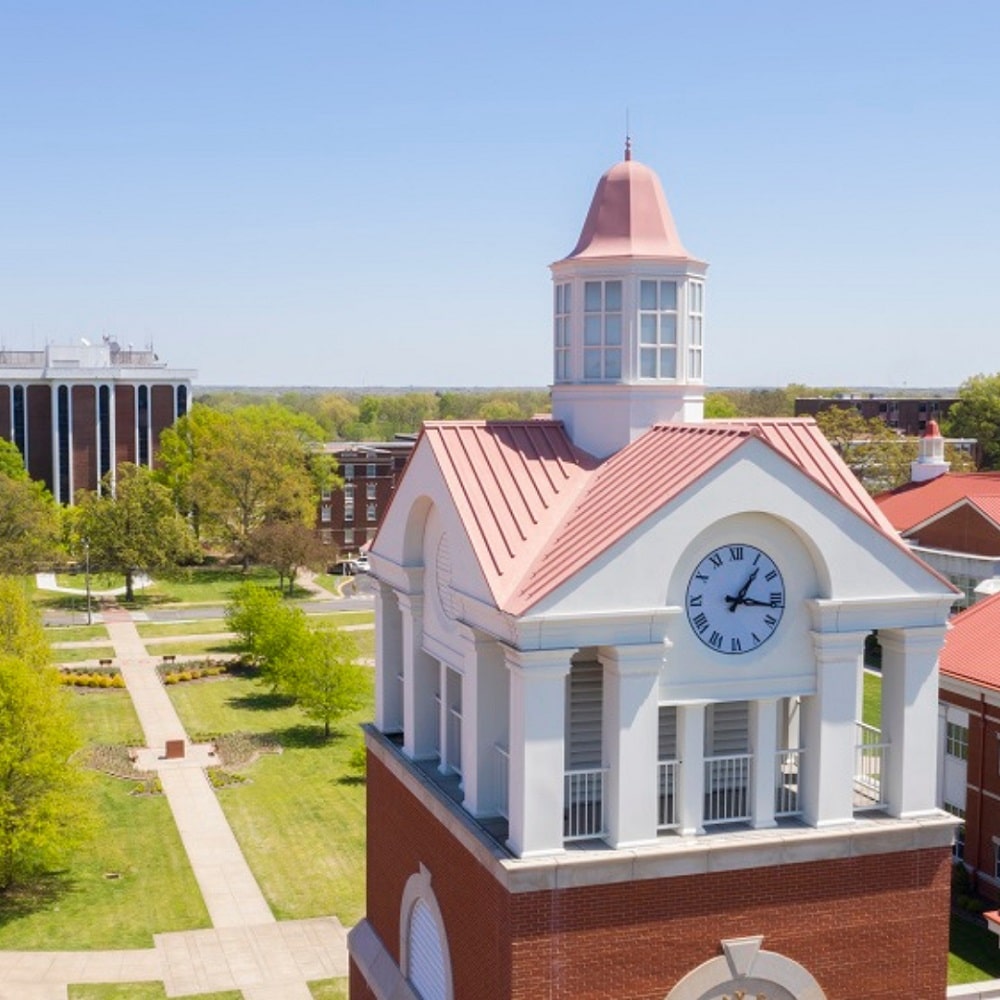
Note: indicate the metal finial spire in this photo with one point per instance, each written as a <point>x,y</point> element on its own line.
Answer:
<point>628,138</point>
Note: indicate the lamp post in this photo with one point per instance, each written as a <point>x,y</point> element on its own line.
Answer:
<point>86,570</point>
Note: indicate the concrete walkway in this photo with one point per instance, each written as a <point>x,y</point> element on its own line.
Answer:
<point>246,949</point>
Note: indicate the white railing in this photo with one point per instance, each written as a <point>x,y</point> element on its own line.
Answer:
<point>727,789</point>
<point>501,779</point>
<point>869,766</point>
<point>584,804</point>
<point>787,783</point>
<point>667,775</point>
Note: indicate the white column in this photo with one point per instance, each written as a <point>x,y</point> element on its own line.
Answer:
<point>420,717</point>
<point>691,753</point>
<point>485,708</point>
<point>631,722</point>
<point>910,717</point>
<point>388,660</point>
<point>54,433</point>
<point>764,742</point>
<point>113,434</point>
<point>537,749</point>
<point>829,725</point>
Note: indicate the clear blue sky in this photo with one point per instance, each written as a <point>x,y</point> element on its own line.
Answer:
<point>369,193</point>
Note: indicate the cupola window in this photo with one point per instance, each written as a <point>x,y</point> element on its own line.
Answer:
<point>561,331</point>
<point>602,330</point>
<point>696,293</point>
<point>658,329</point>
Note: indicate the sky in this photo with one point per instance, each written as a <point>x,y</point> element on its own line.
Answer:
<point>350,193</point>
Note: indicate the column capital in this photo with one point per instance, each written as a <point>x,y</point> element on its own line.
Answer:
<point>634,660</point>
<point>831,647</point>
<point>412,603</point>
<point>916,639</point>
<point>538,663</point>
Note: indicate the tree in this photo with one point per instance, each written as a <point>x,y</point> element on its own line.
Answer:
<point>29,524</point>
<point>977,415</point>
<point>270,630</point>
<point>134,529</point>
<point>324,678</point>
<point>42,816</point>
<point>242,468</point>
<point>285,546</point>
<point>719,406</point>
<point>878,456</point>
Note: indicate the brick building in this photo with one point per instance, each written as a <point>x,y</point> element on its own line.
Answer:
<point>76,412</point>
<point>348,517</point>
<point>907,414</point>
<point>616,750</point>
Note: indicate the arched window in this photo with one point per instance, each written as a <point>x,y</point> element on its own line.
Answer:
<point>424,945</point>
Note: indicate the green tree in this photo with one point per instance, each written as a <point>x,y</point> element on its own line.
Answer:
<point>242,468</point>
<point>286,546</point>
<point>42,815</point>
<point>977,415</point>
<point>270,631</point>
<point>29,524</point>
<point>719,406</point>
<point>324,679</point>
<point>878,456</point>
<point>11,460</point>
<point>134,529</point>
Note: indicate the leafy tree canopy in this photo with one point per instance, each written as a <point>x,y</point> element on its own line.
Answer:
<point>977,415</point>
<point>29,524</point>
<point>878,456</point>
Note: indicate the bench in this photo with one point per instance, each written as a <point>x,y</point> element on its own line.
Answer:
<point>169,658</point>
<point>104,663</point>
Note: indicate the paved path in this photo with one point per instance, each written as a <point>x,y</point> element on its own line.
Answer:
<point>246,949</point>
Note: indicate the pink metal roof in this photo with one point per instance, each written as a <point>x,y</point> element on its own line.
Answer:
<point>634,483</point>
<point>916,503</point>
<point>511,482</point>
<point>972,645</point>
<point>629,217</point>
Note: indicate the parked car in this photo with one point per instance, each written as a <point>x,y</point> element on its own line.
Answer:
<point>350,567</point>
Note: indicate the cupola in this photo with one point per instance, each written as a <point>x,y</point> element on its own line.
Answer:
<point>930,461</point>
<point>628,324</point>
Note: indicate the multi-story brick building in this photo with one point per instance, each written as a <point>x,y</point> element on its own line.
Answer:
<point>617,750</point>
<point>907,414</point>
<point>348,517</point>
<point>76,412</point>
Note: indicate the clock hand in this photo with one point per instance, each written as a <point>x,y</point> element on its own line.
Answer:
<point>750,602</point>
<point>740,597</point>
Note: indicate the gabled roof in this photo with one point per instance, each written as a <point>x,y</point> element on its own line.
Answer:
<point>537,510</point>
<point>971,650</point>
<point>661,464</point>
<point>916,503</point>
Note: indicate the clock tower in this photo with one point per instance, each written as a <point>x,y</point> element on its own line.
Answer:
<point>625,745</point>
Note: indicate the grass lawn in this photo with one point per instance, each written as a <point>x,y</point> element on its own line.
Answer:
<point>192,647</point>
<point>974,955</point>
<point>329,989</point>
<point>83,653</point>
<point>871,700</point>
<point>207,585</point>
<point>206,626</point>
<point>75,633</point>
<point>301,818</point>
<point>98,581</point>
<point>327,619</point>
<point>105,715</point>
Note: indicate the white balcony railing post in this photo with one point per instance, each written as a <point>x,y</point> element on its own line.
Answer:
<point>667,812</point>
<point>788,783</point>
<point>501,764</point>
<point>584,814</point>
<point>869,768</point>
<point>727,789</point>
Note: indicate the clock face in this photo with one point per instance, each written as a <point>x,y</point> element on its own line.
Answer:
<point>735,599</point>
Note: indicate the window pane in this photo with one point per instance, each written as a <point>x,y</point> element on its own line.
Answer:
<point>694,364</point>
<point>592,329</point>
<point>668,329</point>
<point>668,363</point>
<point>592,364</point>
<point>567,297</point>
<point>696,291</point>
<point>613,364</point>
<point>647,294</point>
<point>647,363</point>
<point>613,329</point>
<point>668,294</point>
<point>613,296</point>
<point>695,331</point>
<point>592,296</point>
<point>647,329</point>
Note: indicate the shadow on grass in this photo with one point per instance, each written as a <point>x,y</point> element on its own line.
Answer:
<point>971,942</point>
<point>23,900</point>
<point>262,701</point>
<point>351,779</point>
<point>305,737</point>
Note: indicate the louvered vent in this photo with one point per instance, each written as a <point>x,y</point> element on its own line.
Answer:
<point>426,956</point>
<point>584,748</point>
<point>668,732</point>
<point>728,730</point>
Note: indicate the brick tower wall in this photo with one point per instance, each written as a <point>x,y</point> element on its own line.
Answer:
<point>867,928</point>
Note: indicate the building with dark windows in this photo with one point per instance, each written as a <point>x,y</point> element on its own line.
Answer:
<point>907,414</point>
<point>348,516</point>
<point>75,412</point>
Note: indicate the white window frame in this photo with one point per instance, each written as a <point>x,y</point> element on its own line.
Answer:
<point>418,890</point>
<point>326,513</point>
<point>371,491</point>
<point>562,337</point>
<point>372,512</point>
<point>696,330</point>
<point>658,329</point>
<point>956,741</point>
<point>603,330</point>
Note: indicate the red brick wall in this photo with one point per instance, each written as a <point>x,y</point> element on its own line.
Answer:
<point>964,530</point>
<point>162,410</point>
<point>869,928</point>
<point>39,420</point>
<point>124,423</point>
<point>6,431</point>
<point>358,987</point>
<point>84,457</point>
